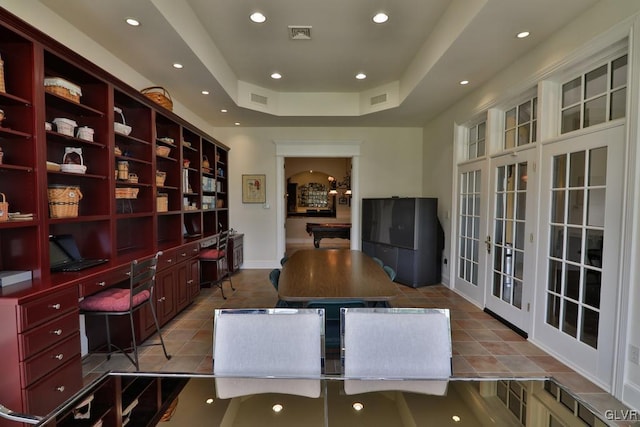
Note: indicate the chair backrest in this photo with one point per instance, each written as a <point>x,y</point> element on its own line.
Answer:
<point>409,343</point>
<point>274,277</point>
<point>332,309</point>
<point>378,261</point>
<point>390,272</point>
<point>142,275</point>
<point>268,342</point>
<point>221,245</point>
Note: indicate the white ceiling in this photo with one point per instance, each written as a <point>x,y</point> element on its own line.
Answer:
<point>416,60</point>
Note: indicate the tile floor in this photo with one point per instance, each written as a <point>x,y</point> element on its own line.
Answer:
<point>482,346</point>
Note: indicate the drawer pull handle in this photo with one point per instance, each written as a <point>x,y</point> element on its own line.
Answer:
<point>60,388</point>
<point>189,282</point>
<point>58,356</point>
<point>195,250</point>
<point>162,299</point>
<point>103,283</point>
<point>55,306</point>
<point>57,332</point>
<point>169,261</point>
<point>128,273</point>
<point>183,254</point>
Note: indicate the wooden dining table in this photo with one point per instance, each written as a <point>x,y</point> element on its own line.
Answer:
<point>312,274</point>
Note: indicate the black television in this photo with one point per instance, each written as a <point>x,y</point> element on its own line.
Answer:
<point>390,221</point>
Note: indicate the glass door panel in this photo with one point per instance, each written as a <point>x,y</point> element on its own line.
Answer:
<point>581,216</point>
<point>470,223</point>
<point>511,256</point>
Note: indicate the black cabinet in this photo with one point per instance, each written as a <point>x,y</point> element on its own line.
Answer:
<point>406,235</point>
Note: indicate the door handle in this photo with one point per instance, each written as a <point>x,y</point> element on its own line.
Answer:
<point>488,243</point>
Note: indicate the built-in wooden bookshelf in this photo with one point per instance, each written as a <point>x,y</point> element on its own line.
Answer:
<point>144,190</point>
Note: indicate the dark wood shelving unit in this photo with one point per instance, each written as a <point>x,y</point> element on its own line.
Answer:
<point>105,226</point>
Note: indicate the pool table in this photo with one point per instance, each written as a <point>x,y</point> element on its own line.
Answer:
<point>328,230</point>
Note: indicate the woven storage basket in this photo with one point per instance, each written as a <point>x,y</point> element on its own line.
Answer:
<point>159,95</point>
<point>160,178</point>
<point>63,88</point>
<point>4,209</point>
<point>2,86</point>
<point>64,201</point>
<point>127,193</point>
<point>162,204</point>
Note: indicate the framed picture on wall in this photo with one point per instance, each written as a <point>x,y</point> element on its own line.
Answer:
<point>253,189</point>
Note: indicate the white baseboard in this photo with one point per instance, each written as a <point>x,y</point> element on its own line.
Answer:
<point>631,395</point>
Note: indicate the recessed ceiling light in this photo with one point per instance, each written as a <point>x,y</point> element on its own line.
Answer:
<point>523,34</point>
<point>177,65</point>
<point>237,123</point>
<point>358,406</point>
<point>276,76</point>
<point>224,110</point>
<point>361,76</point>
<point>258,17</point>
<point>133,22</point>
<point>205,92</point>
<point>380,18</point>
<point>277,407</point>
<point>456,418</point>
<point>464,82</point>
<point>209,401</point>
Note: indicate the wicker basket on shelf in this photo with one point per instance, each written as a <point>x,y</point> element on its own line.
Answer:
<point>160,178</point>
<point>63,88</point>
<point>64,201</point>
<point>162,150</point>
<point>162,204</point>
<point>127,193</point>
<point>159,95</point>
<point>2,86</point>
<point>4,208</point>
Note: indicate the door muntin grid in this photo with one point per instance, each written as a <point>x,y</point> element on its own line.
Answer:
<point>509,233</point>
<point>574,285</point>
<point>468,226</point>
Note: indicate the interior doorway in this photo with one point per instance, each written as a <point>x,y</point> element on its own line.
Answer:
<point>316,149</point>
<point>318,191</point>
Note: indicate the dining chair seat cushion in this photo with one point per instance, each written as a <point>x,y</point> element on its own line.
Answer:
<point>114,299</point>
<point>211,254</point>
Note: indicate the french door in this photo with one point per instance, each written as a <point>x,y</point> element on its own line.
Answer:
<point>511,244</point>
<point>581,215</point>
<point>471,226</point>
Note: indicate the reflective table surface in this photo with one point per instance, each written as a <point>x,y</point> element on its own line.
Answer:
<point>133,399</point>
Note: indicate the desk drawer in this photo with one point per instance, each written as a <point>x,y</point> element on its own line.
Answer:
<point>49,334</point>
<point>50,359</point>
<point>187,251</point>
<point>54,389</point>
<point>167,259</point>
<point>102,282</point>
<point>47,308</point>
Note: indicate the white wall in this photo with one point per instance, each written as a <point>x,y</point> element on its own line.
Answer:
<point>384,152</point>
<point>606,21</point>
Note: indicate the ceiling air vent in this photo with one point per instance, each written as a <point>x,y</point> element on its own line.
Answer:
<point>259,99</point>
<point>378,99</point>
<point>300,32</point>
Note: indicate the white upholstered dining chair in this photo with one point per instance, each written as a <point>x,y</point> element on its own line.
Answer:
<point>252,347</point>
<point>396,343</point>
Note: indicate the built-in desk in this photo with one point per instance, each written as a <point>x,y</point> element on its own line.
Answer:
<point>41,338</point>
<point>181,400</point>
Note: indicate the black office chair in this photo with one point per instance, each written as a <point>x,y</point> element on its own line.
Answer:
<point>218,255</point>
<point>115,302</point>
